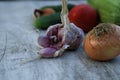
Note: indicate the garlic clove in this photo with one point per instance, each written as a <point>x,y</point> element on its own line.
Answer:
<point>47,52</point>
<point>44,41</point>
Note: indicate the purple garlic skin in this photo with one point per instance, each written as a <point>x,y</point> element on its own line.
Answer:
<point>54,41</point>
<point>51,39</point>
<point>47,52</point>
<point>54,37</point>
<point>54,29</point>
<point>73,38</point>
<point>60,37</point>
<point>44,41</point>
<point>48,41</point>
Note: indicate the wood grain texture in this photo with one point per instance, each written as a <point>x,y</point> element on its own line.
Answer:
<point>18,43</point>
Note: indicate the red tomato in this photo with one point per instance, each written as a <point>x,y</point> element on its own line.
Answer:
<point>84,16</point>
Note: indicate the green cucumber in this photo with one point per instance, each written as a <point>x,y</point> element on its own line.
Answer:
<point>44,22</point>
<point>57,8</point>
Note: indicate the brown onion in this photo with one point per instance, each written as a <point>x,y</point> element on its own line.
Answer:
<point>103,42</point>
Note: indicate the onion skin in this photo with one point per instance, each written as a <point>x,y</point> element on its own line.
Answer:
<point>44,12</point>
<point>48,11</point>
<point>103,49</point>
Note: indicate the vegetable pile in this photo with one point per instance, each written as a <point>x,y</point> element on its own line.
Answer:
<point>100,22</point>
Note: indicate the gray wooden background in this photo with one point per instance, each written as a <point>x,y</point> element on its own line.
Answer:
<point>18,39</point>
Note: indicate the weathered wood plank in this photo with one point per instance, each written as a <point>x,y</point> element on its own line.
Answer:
<point>19,36</point>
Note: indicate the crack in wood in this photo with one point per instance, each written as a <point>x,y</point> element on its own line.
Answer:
<point>4,48</point>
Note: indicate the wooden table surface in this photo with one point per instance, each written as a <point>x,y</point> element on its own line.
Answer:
<point>18,39</point>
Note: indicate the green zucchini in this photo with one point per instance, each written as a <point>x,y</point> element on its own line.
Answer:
<point>44,22</point>
<point>57,8</point>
